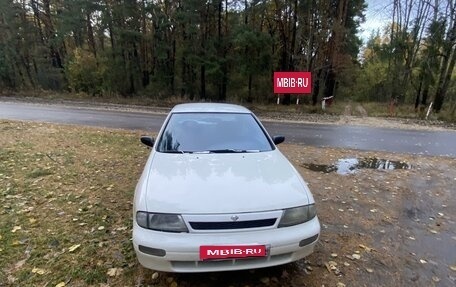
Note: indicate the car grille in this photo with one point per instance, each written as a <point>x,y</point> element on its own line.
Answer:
<point>221,225</point>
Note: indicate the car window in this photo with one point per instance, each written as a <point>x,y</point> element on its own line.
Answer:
<point>213,132</point>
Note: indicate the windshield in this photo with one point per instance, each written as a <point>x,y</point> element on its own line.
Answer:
<point>212,133</point>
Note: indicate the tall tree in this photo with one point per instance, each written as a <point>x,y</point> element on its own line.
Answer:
<point>448,59</point>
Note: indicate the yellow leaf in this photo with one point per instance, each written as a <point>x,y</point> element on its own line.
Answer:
<point>32,220</point>
<point>38,271</point>
<point>16,228</point>
<point>61,284</point>
<point>114,272</point>
<point>74,247</point>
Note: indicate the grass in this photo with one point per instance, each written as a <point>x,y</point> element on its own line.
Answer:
<point>60,187</point>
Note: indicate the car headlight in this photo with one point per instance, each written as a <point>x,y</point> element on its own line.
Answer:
<point>161,221</point>
<point>297,215</point>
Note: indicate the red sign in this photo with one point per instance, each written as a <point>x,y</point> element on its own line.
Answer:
<point>292,83</point>
<point>233,251</point>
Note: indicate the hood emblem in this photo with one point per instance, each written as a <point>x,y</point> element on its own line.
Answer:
<point>234,218</point>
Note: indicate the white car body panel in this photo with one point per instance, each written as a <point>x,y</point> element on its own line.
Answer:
<point>222,183</point>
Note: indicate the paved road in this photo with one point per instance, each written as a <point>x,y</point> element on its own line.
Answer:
<point>355,137</point>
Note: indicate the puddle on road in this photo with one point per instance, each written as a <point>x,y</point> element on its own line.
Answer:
<point>351,165</point>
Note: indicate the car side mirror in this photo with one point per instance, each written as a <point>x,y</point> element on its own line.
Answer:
<point>278,139</point>
<point>148,141</point>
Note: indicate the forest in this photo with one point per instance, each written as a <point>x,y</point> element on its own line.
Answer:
<point>227,50</point>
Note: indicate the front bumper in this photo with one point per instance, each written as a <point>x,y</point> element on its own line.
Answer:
<point>182,249</point>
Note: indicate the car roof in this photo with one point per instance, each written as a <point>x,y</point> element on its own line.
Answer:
<point>209,108</point>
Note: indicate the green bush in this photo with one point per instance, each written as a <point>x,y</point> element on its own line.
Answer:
<point>84,73</point>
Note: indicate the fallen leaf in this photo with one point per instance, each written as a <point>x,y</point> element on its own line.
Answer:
<point>74,247</point>
<point>16,243</point>
<point>334,255</point>
<point>16,228</point>
<point>422,261</point>
<point>453,267</point>
<point>38,271</point>
<point>114,271</point>
<point>356,256</point>
<point>11,279</point>
<point>370,270</point>
<point>101,228</point>
<point>435,279</point>
<point>155,276</point>
<point>32,220</point>
<point>61,284</point>
<point>340,284</point>
<point>368,249</point>
<point>19,264</point>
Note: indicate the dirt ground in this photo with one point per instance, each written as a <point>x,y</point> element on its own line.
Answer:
<point>379,227</point>
<point>66,195</point>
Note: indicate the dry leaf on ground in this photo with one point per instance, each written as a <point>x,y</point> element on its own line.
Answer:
<point>16,228</point>
<point>74,247</point>
<point>39,271</point>
<point>114,272</point>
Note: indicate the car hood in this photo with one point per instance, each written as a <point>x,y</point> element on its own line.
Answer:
<point>223,183</point>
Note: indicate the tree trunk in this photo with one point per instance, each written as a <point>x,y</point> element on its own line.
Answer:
<point>203,82</point>
<point>54,51</point>
<point>444,83</point>
<point>447,66</point>
<point>249,97</point>
<point>316,89</point>
<point>90,37</point>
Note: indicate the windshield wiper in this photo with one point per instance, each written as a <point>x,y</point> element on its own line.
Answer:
<point>227,150</point>
<point>232,150</point>
<point>172,151</point>
<point>176,151</point>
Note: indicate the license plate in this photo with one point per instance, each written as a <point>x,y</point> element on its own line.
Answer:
<point>214,252</point>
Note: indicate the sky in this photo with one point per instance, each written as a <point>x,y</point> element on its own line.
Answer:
<point>377,15</point>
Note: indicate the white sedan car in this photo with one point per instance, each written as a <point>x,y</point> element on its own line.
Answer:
<point>216,194</point>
